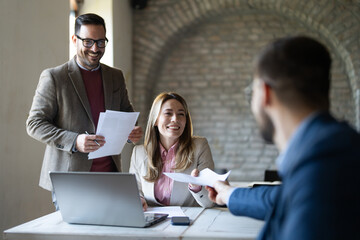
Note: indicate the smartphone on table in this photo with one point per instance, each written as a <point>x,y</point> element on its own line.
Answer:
<point>181,220</point>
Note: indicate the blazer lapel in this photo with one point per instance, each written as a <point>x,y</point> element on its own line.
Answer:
<point>150,193</point>
<point>108,85</point>
<point>178,197</point>
<point>76,79</point>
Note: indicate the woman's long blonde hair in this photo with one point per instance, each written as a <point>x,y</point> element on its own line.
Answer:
<point>185,152</point>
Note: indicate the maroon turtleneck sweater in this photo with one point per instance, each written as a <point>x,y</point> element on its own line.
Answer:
<point>95,93</point>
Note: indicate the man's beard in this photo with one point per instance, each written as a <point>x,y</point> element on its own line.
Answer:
<point>266,127</point>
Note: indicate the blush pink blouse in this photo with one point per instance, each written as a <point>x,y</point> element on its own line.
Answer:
<point>163,186</point>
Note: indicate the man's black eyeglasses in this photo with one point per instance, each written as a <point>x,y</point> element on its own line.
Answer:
<point>88,42</point>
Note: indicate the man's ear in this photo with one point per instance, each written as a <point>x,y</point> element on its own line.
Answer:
<point>268,94</point>
<point>74,39</point>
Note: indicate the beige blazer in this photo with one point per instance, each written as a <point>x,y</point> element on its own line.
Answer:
<point>180,195</point>
<point>61,110</point>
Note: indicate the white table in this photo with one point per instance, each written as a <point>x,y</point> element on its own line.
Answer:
<point>219,223</point>
<point>215,223</point>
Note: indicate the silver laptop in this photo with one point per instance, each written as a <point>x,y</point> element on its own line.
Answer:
<point>101,199</point>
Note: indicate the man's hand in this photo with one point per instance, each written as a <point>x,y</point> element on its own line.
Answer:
<point>219,192</point>
<point>135,134</point>
<point>86,143</point>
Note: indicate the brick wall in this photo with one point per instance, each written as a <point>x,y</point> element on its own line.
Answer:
<point>204,50</point>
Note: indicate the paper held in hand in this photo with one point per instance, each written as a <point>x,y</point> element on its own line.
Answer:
<point>206,177</point>
<point>115,126</point>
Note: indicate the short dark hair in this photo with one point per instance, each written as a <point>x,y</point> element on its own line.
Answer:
<point>298,69</point>
<point>88,19</point>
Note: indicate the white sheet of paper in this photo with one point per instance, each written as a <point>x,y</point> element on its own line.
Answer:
<point>172,211</point>
<point>115,126</point>
<point>206,177</point>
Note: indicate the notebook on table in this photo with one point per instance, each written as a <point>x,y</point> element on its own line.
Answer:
<point>101,199</point>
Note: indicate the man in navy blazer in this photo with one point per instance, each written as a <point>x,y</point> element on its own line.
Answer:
<point>319,161</point>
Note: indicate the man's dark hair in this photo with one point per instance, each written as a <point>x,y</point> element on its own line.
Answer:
<point>298,70</point>
<point>88,19</point>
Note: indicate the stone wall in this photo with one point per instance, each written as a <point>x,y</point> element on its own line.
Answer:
<point>203,49</point>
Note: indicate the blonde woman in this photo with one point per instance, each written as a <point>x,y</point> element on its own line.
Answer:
<point>169,146</point>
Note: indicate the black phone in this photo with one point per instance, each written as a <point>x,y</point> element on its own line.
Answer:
<point>180,221</point>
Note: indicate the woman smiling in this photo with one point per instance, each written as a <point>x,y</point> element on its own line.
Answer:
<point>169,146</point>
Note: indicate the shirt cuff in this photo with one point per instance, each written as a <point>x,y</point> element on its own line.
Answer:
<point>196,189</point>
<point>74,146</point>
<point>229,195</point>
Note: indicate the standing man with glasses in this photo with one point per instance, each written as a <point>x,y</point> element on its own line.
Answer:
<point>68,101</point>
<point>319,198</point>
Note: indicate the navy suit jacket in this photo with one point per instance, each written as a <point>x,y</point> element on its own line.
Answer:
<point>320,193</point>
